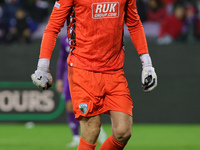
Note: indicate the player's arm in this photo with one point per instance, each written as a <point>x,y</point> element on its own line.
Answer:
<point>132,20</point>
<point>42,77</point>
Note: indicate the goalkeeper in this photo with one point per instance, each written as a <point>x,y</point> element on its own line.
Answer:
<point>96,77</point>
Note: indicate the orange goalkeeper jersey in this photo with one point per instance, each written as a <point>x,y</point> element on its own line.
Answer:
<point>95,32</point>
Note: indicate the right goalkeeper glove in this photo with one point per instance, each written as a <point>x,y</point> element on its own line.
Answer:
<point>42,77</point>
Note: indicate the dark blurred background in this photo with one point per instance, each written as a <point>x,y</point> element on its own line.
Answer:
<point>172,28</point>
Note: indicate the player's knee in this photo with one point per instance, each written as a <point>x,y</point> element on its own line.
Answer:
<point>122,134</point>
<point>90,132</point>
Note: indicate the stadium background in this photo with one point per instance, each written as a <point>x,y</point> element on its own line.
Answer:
<point>175,100</point>
<point>166,119</point>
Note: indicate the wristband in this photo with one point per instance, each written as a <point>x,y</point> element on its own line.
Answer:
<point>43,64</point>
<point>146,60</point>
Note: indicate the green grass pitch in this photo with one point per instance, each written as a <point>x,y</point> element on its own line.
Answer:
<point>55,137</point>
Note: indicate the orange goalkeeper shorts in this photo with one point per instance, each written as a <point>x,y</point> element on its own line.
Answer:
<point>95,93</point>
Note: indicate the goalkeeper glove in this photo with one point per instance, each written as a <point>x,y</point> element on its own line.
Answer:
<point>42,77</point>
<point>149,77</point>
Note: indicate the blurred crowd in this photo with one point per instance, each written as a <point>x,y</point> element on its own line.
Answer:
<point>163,20</point>
<point>170,20</point>
<point>20,18</point>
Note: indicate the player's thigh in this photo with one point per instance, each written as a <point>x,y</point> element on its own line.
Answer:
<point>121,123</point>
<point>90,122</point>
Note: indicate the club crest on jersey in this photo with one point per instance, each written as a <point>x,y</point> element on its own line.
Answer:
<point>105,10</point>
<point>83,107</point>
<point>57,5</point>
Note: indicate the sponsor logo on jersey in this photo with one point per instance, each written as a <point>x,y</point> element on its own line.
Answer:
<point>83,107</point>
<point>105,10</point>
<point>57,5</point>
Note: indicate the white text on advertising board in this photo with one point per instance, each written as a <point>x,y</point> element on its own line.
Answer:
<point>26,101</point>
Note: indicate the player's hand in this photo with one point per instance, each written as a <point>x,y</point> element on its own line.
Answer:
<point>59,86</point>
<point>149,79</point>
<point>42,77</point>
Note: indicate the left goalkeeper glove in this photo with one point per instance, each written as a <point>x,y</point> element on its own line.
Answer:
<point>149,77</point>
